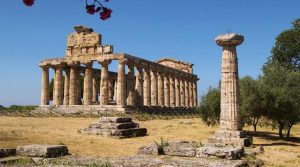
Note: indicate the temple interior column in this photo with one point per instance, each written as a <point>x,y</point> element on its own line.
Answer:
<point>154,100</point>
<point>121,92</point>
<point>79,88</point>
<point>166,90</point>
<point>45,86</point>
<point>173,97</point>
<point>73,84</point>
<point>182,93</point>
<point>139,86</point>
<point>58,86</point>
<point>104,98</point>
<point>130,85</point>
<point>111,89</point>
<point>88,81</point>
<point>115,90</point>
<point>160,89</point>
<point>187,93</point>
<point>147,86</point>
<point>67,86</point>
<point>95,90</point>
<point>178,92</point>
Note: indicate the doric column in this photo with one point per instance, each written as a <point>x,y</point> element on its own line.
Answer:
<point>182,93</point>
<point>121,92</point>
<point>139,86</point>
<point>187,93</point>
<point>177,92</point>
<point>230,113</point>
<point>58,86</point>
<point>88,84</point>
<point>111,89</point>
<point>67,86</point>
<point>166,90</point>
<point>173,97</point>
<point>160,89</point>
<point>147,85</point>
<point>95,89</point>
<point>104,98</point>
<point>45,86</point>
<point>130,85</point>
<point>79,87</point>
<point>195,93</point>
<point>191,93</point>
<point>154,99</point>
<point>115,90</point>
<point>73,83</point>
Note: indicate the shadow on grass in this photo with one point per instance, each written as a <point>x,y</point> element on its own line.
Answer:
<point>272,136</point>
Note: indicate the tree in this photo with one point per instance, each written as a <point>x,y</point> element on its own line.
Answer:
<point>210,107</point>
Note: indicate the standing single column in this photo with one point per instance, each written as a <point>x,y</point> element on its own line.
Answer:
<point>45,86</point>
<point>230,114</point>
<point>191,94</point>
<point>182,93</point>
<point>88,81</point>
<point>154,99</point>
<point>166,90</point>
<point>139,86</point>
<point>58,89</point>
<point>187,93</point>
<point>73,83</point>
<point>95,90</point>
<point>147,84</point>
<point>173,97</point>
<point>67,86</point>
<point>104,98</point>
<point>130,85</point>
<point>121,92</point>
<point>195,93</point>
<point>177,92</point>
<point>160,89</point>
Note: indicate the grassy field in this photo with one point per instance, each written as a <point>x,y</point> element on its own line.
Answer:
<point>16,131</point>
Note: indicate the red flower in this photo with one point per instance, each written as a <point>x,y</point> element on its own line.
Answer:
<point>90,9</point>
<point>28,2</point>
<point>105,14</point>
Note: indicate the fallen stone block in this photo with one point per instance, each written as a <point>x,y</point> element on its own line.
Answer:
<point>6,152</point>
<point>220,152</point>
<point>46,151</point>
<point>181,148</point>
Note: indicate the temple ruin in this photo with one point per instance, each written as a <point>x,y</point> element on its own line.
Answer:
<point>166,83</point>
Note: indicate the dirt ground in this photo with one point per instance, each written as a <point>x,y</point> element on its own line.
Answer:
<point>15,131</point>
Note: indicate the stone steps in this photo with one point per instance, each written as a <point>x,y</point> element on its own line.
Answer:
<point>117,127</point>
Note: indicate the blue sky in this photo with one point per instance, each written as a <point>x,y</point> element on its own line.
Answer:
<point>184,30</point>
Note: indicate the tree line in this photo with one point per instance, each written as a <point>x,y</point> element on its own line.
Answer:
<point>274,95</point>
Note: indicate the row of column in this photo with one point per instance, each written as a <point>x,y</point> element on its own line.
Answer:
<point>150,86</point>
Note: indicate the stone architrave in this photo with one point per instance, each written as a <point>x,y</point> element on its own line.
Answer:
<point>139,86</point>
<point>45,86</point>
<point>147,94</point>
<point>58,86</point>
<point>166,90</point>
<point>73,83</point>
<point>160,89</point>
<point>104,98</point>
<point>67,86</point>
<point>121,92</point>
<point>230,127</point>
<point>87,86</point>
<point>172,91</point>
<point>154,99</point>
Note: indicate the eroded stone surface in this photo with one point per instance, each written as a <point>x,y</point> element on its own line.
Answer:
<point>220,152</point>
<point>5,152</point>
<point>42,150</point>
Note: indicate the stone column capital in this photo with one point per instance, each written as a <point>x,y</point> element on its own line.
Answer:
<point>104,62</point>
<point>88,64</point>
<point>73,64</point>
<point>123,61</point>
<point>44,66</point>
<point>229,39</point>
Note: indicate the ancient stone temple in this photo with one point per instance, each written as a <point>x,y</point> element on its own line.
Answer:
<point>166,83</point>
<point>230,128</point>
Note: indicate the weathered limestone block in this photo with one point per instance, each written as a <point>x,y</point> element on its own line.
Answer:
<point>148,150</point>
<point>115,119</point>
<point>220,152</point>
<point>5,152</point>
<point>46,151</point>
<point>181,148</point>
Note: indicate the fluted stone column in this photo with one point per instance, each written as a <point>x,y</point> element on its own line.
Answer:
<point>230,113</point>
<point>166,90</point>
<point>79,88</point>
<point>45,86</point>
<point>111,89</point>
<point>67,86</point>
<point>173,97</point>
<point>104,98</point>
<point>195,93</point>
<point>154,99</point>
<point>130,85</point>
<point>121,92</point>
<point>147,94</point>
<point>187,93</point>
<point>95,89</point>
<point>73,84</point>
<point>177,92</point>
<point>58,86</point>
<point>88,83</point>
<point>191,94</point>
<point>139,86</point>
<point>160,89</point>
<point>182,93</point>
<point>115,90</point>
